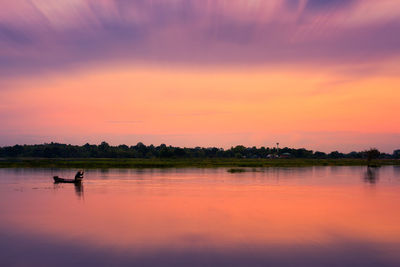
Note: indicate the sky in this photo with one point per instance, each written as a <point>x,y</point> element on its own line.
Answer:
<point>319,74</point>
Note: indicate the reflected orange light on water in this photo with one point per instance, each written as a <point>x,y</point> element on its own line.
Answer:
<point>140,216</point>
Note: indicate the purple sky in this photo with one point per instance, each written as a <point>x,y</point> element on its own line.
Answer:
<point>46,35</point>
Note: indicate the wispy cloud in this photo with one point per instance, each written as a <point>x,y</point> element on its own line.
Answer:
<point>46,35</point>
<point>318,5</point>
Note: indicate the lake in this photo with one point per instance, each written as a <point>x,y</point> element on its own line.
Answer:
<point>317,216</point>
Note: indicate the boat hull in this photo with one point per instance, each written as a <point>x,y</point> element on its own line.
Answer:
<point>64,180</point>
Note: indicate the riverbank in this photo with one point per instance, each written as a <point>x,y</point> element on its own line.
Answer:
<point>95,163</point>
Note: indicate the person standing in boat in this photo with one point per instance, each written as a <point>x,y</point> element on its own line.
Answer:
<point>79,175</point>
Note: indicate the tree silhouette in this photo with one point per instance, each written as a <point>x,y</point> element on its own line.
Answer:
<point>372,154</point>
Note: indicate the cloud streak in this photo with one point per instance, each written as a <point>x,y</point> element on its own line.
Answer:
<point>43,35</point>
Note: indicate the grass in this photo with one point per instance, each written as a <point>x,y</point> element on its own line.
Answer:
<point>235,164</point>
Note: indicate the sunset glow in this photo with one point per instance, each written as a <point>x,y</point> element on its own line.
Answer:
<point>317,74</point>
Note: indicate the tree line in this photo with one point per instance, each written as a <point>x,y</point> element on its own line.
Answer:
<point>104,150</point>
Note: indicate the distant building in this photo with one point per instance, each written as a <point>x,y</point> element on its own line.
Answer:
<point>285,155</point>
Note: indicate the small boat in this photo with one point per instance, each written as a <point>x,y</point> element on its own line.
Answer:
<point>77,180</point>
<point>64,180</point>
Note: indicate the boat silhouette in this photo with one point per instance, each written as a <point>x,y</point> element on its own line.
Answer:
<point>78,179</point>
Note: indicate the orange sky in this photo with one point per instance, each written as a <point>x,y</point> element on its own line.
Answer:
<point>266,103</point>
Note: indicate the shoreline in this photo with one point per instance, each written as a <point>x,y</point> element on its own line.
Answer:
<point>129,163</point>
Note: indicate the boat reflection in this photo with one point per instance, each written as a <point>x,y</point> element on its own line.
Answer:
<point>79,189</point>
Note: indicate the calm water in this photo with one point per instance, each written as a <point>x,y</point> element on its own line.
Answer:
<point>321,216</point>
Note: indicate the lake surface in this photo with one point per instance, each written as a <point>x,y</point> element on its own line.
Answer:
<point>319,216</point>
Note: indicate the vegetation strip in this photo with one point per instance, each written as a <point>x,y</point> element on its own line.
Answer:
<point>185,163</point>
<point>141,151</point>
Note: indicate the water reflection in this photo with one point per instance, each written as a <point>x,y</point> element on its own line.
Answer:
<point>70,253</point>
<point>201,217</point>
<point>78,188</point>
<point>396,170</point>
<point>371,176</point>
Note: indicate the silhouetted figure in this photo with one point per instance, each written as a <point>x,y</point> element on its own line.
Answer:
<point>79,176</point>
